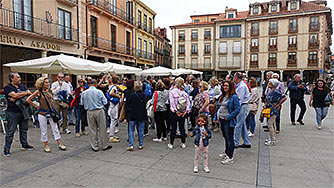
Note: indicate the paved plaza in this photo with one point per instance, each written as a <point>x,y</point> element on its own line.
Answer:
<point>303,157</point>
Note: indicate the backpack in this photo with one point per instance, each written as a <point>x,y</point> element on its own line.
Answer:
<point>198,101</point>
<point>114,100</point>
<point>148,90</point>
<point>181,103</point>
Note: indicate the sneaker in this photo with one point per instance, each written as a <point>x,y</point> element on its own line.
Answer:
<point>85,133</point>
<point>6,153</point>
<point>62,147</point>
<point>107,148</point>
<point>47,149</point>
<point>27,147</point>
<point>164,139</point>
<point>140,147</point>
<point>95,150</point>
<point>116,137</point>
<point>301,122</point>
<point>195,169</point>
<point>146,134</point>
<point>293,123</point>
<point>108,130</point>
<point>216,129</point>
<point>66,131</point>
<point>227,161</point>
<point>223,155</point>
<point>170,146</point>
<point>250,134</point>
<point>319,128</point>
<point>245,146</point>
<point>77,134</point>
<point>206,169</point>
<point>157,140</point>
<point>113,140</point>
<point>130,148</point>
<point>116,130</point>
<point>277,132</point>
<point>183,145</point>
<point>270,143</point>
<point>71,123</point>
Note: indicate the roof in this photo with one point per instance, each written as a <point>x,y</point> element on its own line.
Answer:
<point>240,16</point>
<point>304,7</point>
<point>216,14</point>
<point>193,24</point>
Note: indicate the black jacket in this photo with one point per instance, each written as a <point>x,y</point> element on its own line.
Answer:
<point>137,105</point>
<point>295,92</point>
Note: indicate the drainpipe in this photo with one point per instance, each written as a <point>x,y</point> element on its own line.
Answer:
<point>78,32</point>
<point>85,52</point>
<point>214,47</point>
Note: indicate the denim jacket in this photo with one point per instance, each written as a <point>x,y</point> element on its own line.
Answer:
<point>233,108</point>
<point>197,132</point>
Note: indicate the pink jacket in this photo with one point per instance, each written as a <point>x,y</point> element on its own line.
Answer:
<point>174,95</point>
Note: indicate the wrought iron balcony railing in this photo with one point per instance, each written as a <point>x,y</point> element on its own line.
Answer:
<point>110,46</point>
<point>15,20</point>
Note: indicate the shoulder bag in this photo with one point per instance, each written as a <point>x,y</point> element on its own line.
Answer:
<point>54,115</point>
<point>267,111</point>
<point>328,99</point>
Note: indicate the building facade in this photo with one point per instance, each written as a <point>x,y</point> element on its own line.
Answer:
<point>144,35</point>
<point>32,29</point>
<point>162,48</point>
<point>288,37</point>
<point>109,29</point>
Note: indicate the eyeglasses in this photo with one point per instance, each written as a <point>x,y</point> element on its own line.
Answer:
<point>60,76</point>
<point>80,82</point>
<point>201,121</point>
<point>200,86</point>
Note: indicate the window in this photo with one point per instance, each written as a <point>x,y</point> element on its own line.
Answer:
<point>194,35</point>
<point>256,10</point>
<point>292,41</point>
<point>113,37</point>
<point>194,63</point>
<point>181,36</point>
<point>272,42</point>
<point>181,49</point>
<point>314,38</point>
<point>128,42</point>
<point>230,15</point>
<point>181,63</point>
<point>64,21</point>
<point>196,21</point>
<point>207,48</point>
<point>313,58</point>
<point>293,5</point>
<point>292,58</point>
<point>213,19</point>
<point>230,31</point>
<point>113,7</point>
<point>255,43</point>
<point>273,27</point>
<point>223,48</point>
<point>194,48</point>
<point>255,29</point>
<point>274,8</point>
<point>236,47</point>
<point>93,30</point>
<point>145,49</point>
<point>272,58</point>
<point>314,23</point>
<point>150,50</point>
<point>150,25</point>
<point>254,60</point>
<point>139,48</point>
<point>145,22</point>
<point>293,25</point>
<point>139,19</point>
<point>207,34</point>
<point>23,14</point>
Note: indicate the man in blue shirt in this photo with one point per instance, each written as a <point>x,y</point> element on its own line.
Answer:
<point>244,96</point>
<point>93,101</point>
<point>297,90</point>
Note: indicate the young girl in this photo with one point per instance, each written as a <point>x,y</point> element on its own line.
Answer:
<point>203,134</point>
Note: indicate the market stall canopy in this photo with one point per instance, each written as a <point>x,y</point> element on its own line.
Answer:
<point>123,69</point>
<point>60,63</point>
<point>156,71</point>
<point>180,71</point>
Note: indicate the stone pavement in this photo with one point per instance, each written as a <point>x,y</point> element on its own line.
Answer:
<point>303,157</point>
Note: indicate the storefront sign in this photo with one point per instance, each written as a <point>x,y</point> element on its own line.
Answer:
<point>37,44</point>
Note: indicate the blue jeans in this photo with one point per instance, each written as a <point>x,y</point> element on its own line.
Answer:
<point>250,122</point>
<point>79,116</point>
<point>70,115</point>
<point>241,126</point>
<point>321,113</point>
<point>14,119</point>
<point>140,128</point>
<point>228,133</point>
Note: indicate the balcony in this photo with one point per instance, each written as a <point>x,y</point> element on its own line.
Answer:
<point>194,38</point>
<point>313,45</point>
<point>312,62</point>
<point>11,20</point>
<point>314,27</point>
<point>145,55</point>
<point>292,46</point>
<point>182,38</point>
<point>293,29</point>
<point>145,27</point>
<point>194,53</point>
<point>71,3</point>
<point>181,53</point>
<point>254,32</point>
<point>254,64</point>
<point>273,31</point>
<point>292,63</point>
<point>207,52</point>
<point>112,10</point>
<point>254,48</point>
<point>105,44</point>
<point>272,47</point>
<point>272,63</point>
<point>207,37</point>
<point>158,50</point>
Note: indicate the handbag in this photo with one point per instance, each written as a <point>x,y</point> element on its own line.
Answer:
<point>155,101</point>
<point>54,115</point>
<point>328,99</point>
<point>267,111</point>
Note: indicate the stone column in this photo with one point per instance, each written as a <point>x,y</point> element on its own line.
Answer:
<point>44,54</point>
<point>229,72</point>
<point>301,73</point>
<point>262,76</point>
<point>246,73</point>
<point>281,74</point>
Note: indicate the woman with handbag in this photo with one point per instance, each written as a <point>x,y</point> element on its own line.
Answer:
<point>46,112</point>
<point>160,97</point>
<point>274,101</point>
<point>201,102</point>
<point>321,99</point>
<point>253,107</point>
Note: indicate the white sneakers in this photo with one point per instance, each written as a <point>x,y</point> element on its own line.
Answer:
<point>108,130</point>
<point>206,169</point>
<point>222,155</point>
<point>116,130</point>
<point>227,161</point>
<point>170,146</point>
<point>164,139</point>
<point>183,145</point>
<point>270,143</point>
<point>66,131</point>
<point>157,140</point>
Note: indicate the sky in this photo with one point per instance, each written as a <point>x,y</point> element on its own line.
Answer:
<point>173,12</point>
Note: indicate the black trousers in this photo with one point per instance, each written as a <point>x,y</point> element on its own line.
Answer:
<point>176,120</point>
<point>160,118</point>
<point>167,120</point>
<point>193,116</point>
<point>293,104</point>
<point>228,133</point>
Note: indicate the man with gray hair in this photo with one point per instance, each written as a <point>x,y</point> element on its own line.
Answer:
<point>297,90</point>
<point>93,101</point>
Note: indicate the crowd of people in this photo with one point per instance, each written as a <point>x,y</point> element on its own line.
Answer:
<point>175,107</point>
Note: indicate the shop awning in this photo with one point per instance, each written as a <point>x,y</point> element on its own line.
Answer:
<point>180,71</point>
<point>156,71</point>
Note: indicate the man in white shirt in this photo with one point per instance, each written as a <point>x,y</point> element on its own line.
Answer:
<point>61,107</point>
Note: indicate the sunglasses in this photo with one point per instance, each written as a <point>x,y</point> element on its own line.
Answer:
<point>60,77</point>
<point>201,121</point>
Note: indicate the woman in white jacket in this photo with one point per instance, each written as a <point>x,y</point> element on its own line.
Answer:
<point>253,107</point>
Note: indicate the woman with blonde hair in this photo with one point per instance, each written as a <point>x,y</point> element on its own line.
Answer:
<point>45,100</point>
<point>179,107</point>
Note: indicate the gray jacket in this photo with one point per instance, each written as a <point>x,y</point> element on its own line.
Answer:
<point>161,100</point>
